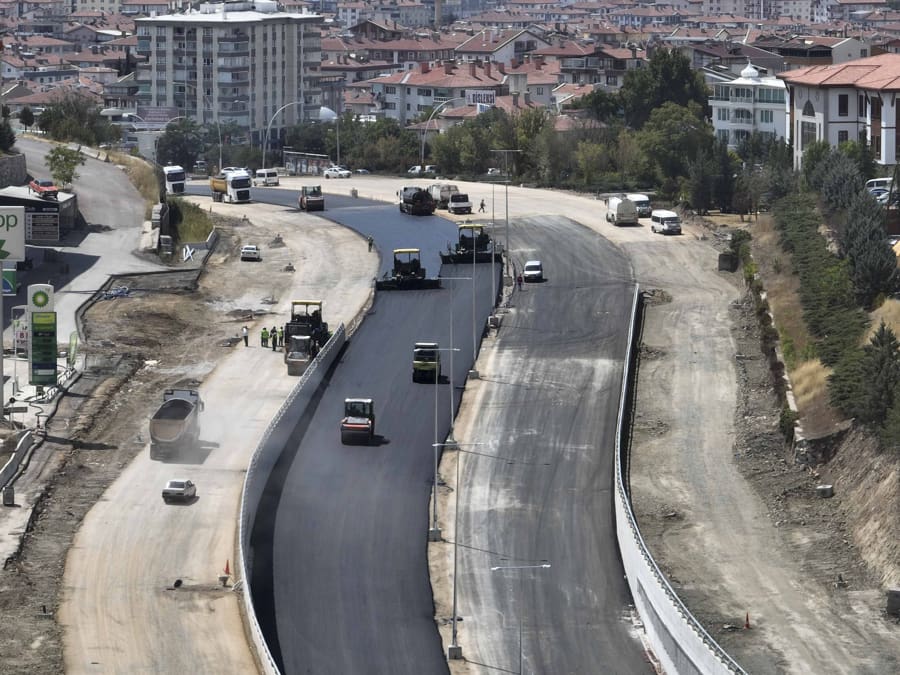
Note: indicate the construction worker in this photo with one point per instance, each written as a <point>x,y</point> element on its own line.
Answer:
<point>281,336</point>
<point>481,208</point>
<point>370,242</point>
<point>274,335</point>
<point>246,333</point>
<point>265,337</point>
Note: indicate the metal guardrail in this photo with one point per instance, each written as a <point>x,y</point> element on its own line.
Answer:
<point>622,496</point>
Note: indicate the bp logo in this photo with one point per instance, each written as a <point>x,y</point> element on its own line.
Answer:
<point>40,299</point>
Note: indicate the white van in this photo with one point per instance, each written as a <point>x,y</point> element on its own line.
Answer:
<point>266,177</point>
<point>882,183</point>
<point>641,203</point>
<point>621,211</point>
<point>666,222</point>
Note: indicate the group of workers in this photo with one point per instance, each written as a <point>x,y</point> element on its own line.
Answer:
<point>275,336</point>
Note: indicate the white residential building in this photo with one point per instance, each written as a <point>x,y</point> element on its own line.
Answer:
<point>746,104</point>
<point>236,62</point>
<point>846,102</point>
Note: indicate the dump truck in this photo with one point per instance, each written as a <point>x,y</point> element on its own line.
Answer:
<point>306,319</point>
<point>426,362</point>
<point>416,201</point>
<point>358,423</point>
<point>175,426</point>
<point>441,193</point>
<point>407,273</point>
<point>311,198</point>
<point>473,245</point>
<point>231,186</point>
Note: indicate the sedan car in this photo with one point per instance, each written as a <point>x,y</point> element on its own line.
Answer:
<point>179,489</point>
<point>336,172</point>
<point>534,271</point>
<point>251,252</point>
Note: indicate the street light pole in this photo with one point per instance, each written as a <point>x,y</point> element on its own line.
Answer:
<point>455,651</point>
<point>434,533</point>
<point>428,121</point>
<point>269,127</point>
<point>520,567</point>
<point>506,174</point>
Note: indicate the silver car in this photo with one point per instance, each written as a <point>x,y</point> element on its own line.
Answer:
<point>179,490</point>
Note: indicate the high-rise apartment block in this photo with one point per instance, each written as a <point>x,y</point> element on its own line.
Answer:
<point>233,62</point>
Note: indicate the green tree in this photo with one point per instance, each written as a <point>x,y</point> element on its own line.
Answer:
<point>307,137</point>
<point>26,117</point>
<point>814,154</point>
<point>873,266</point>
<point>879,376</point>
<point>5,112</point>
<point>668,78</point>
<point>601,105</point>
<point>181,143</point>
<point>7,136</point>
<point>629,157</point>
<point>591,160</point>
<point>63,162</point>
<point>862,156</point>
<point>74,117</point>
<point>671,138</point>
<point>726,166</point>
<point>700,182</point>
<point>840,180</point>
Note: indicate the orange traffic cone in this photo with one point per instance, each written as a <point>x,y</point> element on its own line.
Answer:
<point>746,620</point>
<point>228,571</point>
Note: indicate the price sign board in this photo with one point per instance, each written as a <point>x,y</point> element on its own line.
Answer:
<point>43,348</point>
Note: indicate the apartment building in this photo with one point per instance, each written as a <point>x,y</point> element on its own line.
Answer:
<point>747,104</point>
<point>845,102</point>
<point>406,95</point>
<point>245,63</point>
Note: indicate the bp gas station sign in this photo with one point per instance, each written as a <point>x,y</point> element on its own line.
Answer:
<point>42,350</point>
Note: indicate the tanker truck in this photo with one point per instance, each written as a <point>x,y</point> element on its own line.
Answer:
<point>175,426</point>
<point>231,186</point>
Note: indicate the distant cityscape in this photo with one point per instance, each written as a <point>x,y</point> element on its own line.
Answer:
<point>777,68</point>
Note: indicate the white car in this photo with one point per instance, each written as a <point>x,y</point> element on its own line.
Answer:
<point>182,490</point>
<point>250,252</point>
<point>534,271</point>
<point>336,172</point>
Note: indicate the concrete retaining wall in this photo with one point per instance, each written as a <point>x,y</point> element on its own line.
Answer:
<point>264,458</point>
<point>678,641</point>
<point>12,466</point>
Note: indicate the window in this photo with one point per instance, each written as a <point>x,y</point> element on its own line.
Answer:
<point>862,105</point>
<point>723,114</point>
<point>540,91</point>
<point>612,80</point>
<point>390,90</point>
<point>722,135</point>
<point>843,137</point>
<point>808,110</point>
<point>807,133</point>
<point>766,116</point>
<point>743,116</point>
<point>843,105</point>
<point>425,92</point>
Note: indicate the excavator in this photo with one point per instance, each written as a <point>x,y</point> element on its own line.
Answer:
<point>407,273</point>
<point>304,335</point>
<point>473,245</point>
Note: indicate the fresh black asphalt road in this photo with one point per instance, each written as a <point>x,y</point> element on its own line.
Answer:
<point>352,593</point>
<point>539,491</point>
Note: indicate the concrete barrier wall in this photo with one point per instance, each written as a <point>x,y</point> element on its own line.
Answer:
<point>261,464</point>
<point>679,642</point>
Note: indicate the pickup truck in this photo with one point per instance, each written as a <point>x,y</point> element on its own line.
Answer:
<point>175,425</point>
<point>45,189</point>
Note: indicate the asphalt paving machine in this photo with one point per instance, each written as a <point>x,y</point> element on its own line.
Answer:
<point>407,273</point>
<point>473,245</point>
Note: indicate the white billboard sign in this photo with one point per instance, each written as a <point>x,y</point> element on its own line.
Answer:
<point>12,233</point>
<point>482,96</point>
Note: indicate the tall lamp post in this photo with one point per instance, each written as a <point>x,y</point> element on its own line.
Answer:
<point>269,127</point>
<point>434,534</point>
<point>520,567</point>
<point>506,173</point>
<point>455,651</point>
<point>428,121</point>
<point>332,116</point>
